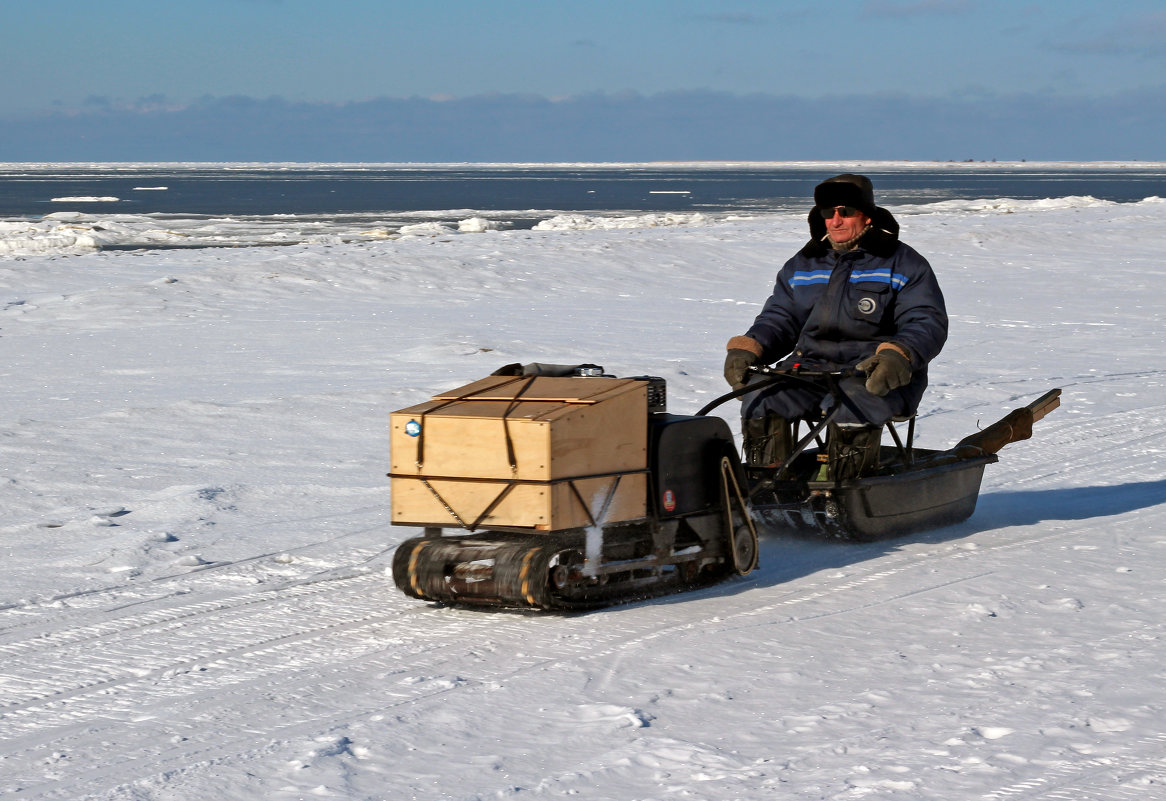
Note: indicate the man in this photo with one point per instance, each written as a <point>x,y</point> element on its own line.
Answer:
<point>853,296</point>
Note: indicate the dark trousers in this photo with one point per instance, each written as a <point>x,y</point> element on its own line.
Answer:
<point>794,402</point>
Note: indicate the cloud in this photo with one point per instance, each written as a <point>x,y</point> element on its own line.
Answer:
<point>689,125</point>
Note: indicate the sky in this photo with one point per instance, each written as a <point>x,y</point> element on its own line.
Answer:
<point>517,80</point>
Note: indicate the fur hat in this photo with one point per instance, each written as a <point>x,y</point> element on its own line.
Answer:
<point>846,190</point>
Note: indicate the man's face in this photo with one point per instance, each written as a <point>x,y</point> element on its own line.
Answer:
<point>843,229</point>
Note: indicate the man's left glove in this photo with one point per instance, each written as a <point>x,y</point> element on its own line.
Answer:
<point>888,369</point>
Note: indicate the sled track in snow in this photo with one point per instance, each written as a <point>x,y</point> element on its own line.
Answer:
<point>29,614</point>
<point>1092,779</point>
<point>1090,447</point>
<point>232,628</point>
<point>80,689</point>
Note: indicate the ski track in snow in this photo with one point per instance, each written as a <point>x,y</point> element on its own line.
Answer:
<point>216,620</point>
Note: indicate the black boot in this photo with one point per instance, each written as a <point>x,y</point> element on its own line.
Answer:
<point>767,440</point>
<point>852,452</point>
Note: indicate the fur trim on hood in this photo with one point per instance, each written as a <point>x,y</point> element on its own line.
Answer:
<point>881,239</point>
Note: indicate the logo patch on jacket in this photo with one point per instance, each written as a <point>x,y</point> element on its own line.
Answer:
<point>867,305</point>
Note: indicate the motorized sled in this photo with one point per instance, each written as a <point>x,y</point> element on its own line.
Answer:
<point>570,489</point>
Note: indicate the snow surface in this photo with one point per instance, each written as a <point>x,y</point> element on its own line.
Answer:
<point>193,592</point>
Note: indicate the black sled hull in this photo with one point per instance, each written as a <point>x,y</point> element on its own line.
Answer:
<point>932,493</point>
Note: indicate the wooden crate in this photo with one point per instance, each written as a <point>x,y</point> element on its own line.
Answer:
<point>540,433</point>
<point>543,506</point>
<point>557,428</point>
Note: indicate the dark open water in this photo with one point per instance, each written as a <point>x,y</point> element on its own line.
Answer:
<point>32,192</point>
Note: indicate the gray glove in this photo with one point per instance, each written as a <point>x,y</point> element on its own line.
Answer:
<point>737,362</point>
<point>886,370</point>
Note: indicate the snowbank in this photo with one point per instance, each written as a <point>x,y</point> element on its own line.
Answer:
<point>584,222</point>
<point>75,232</point>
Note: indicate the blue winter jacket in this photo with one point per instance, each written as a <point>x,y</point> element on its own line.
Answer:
<point>833,309</point>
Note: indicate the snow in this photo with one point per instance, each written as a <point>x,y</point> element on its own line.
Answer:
<point>73,233</point>
<point>193,592</point>
<point>86,199</point>
<point>582,222</point>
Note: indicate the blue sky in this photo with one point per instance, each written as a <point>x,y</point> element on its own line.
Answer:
<point>439,80</point>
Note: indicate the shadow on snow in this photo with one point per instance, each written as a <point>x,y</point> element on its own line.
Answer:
<point>1029,507</point>
<point>787,555</point>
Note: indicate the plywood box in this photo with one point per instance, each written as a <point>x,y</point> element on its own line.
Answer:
<point>542,435</point>
<point>539,428</point>
<point>543,506</point>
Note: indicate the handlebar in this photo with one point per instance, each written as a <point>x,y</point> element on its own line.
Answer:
<point>800,371</point>
<point>772,376</point>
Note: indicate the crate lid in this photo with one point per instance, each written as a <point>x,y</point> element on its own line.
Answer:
<point>543,388</point>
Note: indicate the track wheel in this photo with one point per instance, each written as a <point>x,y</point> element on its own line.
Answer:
<point>563,574</point>
<point>744,549</point>
<point>742,535</point>
<point>560,576</point>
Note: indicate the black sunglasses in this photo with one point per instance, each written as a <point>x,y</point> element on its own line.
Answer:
<point>828,212</point>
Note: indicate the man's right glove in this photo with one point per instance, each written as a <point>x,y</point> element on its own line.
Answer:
<point>737,362</point>
<point>888,369</point>
<point>743,354</point>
